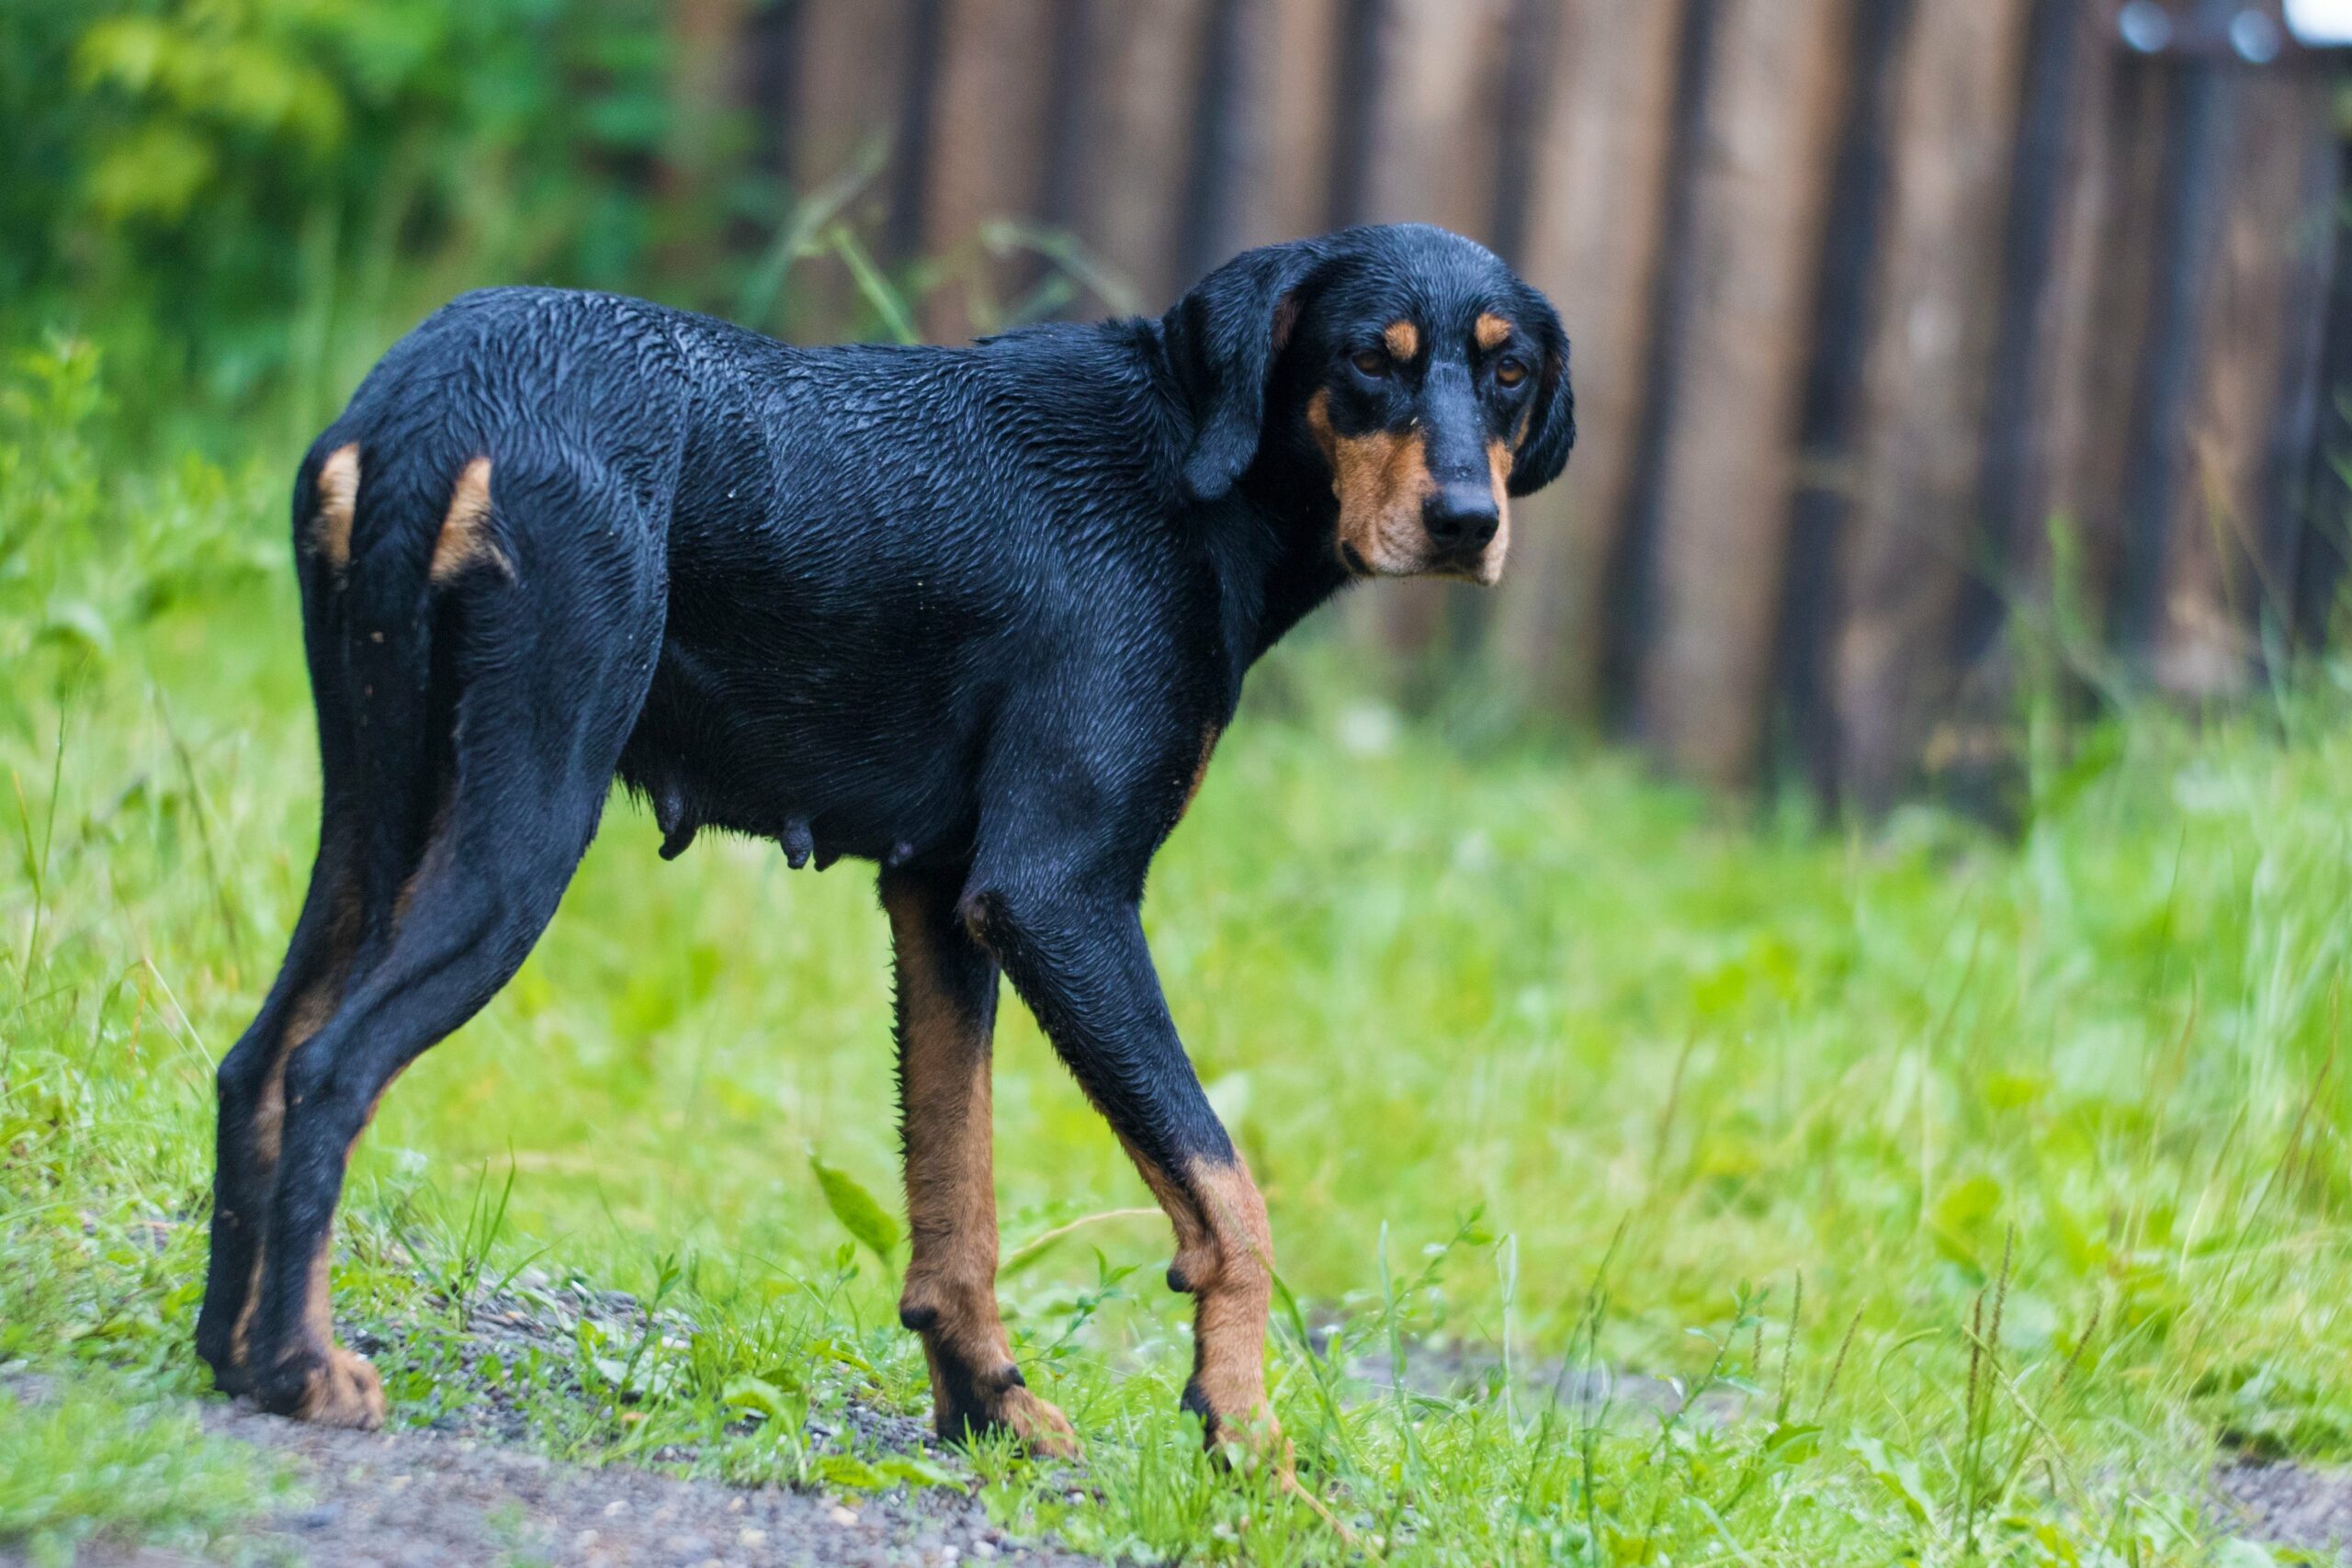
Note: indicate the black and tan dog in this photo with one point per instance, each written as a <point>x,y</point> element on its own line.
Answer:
<point>979,615</point>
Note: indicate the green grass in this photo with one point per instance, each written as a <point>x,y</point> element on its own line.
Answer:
<point>1994,1184</point>
<point>87,1460</point>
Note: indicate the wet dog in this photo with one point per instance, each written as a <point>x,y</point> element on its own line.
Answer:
<point>976,614</point>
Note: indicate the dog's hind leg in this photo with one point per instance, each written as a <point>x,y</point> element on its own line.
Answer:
<point>946,988</point>
<point>252,1110</point>
<point>318,956</point>
<point>539,667</point>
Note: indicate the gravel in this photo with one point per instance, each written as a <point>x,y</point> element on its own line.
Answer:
<point>2291,1505</point>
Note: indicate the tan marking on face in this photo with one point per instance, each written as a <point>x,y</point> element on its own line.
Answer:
<point>1381,480</point>
<point>1491,331</point>
<point>951,1193</point>
<point>465,538</point>
<point>1404,341</point>
<point>338,500</point>
<point>1490,564</point>
<point>1224,1259</point>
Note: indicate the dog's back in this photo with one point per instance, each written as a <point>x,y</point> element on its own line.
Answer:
<point>852,552</point>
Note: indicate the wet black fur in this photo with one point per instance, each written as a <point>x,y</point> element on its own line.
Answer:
<point>968,613</point>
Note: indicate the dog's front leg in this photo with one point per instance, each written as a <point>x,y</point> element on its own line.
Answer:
<point>946,1013</point>
<point>1080,962</point>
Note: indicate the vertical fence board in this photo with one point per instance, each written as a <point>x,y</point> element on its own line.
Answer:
<point>2034,414</point>
<point>1846,292</point>
<point>1595,208</point>
<point>1930,356</point>
<point>1723,484</point>
<point>2110,277</point>
<point>851,79</point>
<point>988,142</point>
<point>2324,536</point>
<point>2213,573</point>
<point>1290,201</point>
<point>1139,144</point>
<point>2314,245</point>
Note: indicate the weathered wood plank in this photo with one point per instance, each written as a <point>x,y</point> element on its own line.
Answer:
<point>1597,203</point>
<point>1301,42</point>
<point>988,146</point>
<point>1720,495</point>
<point>851,80</point>
<point>1908,552</point>
<point>2213,579</point>
<point>1138,146</point>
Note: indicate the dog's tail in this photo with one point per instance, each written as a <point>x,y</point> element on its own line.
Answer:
<point>396,546</point>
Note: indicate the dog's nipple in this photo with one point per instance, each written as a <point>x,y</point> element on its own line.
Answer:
<point>797,841</point>
<point>676,819</point>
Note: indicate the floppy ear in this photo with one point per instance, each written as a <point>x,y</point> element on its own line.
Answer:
<point>1222,339</point>
<point>1552,419</point>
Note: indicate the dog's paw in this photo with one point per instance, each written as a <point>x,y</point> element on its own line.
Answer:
<point>1248,1440</point>
<point>337,1389</point>
<point>1002,1402</point>
<point>1042,1430</point>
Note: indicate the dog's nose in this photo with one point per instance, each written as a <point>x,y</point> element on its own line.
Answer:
<point>1460,519</point>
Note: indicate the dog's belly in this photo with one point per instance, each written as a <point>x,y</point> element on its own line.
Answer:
<point>860,754</point>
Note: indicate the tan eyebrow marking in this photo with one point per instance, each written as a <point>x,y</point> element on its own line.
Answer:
<point>1402,338</point>
<point>1492,331</point>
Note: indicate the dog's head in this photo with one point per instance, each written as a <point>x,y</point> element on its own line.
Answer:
<point>1402,371</point>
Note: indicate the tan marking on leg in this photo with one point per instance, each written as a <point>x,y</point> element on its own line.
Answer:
<point>307,1015</point>
<point>1200,768</point>
<point>434,850</point>
<point>465,540</point>
<point>1381,480</point>
<point>1404,341</point>
<point>1229,1329</point>
<point>343,1390</point>
<point>1491,331</point>
<point>338,502</point>
<point>1225,1260</point>
<point>950,1292</point>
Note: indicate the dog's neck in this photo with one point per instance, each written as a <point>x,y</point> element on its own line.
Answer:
<point>1274,558</point>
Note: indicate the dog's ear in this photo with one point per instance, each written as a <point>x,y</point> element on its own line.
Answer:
<point>1552,419</point>
<point>1222,339</point>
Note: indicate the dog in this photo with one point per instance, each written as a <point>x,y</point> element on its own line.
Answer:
<point>979,615</point>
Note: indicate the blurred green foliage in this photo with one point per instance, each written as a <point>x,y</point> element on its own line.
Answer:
<point>206,183</point>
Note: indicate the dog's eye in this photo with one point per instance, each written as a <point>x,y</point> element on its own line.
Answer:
<point>1371,361</point>
<point>1510,372</point>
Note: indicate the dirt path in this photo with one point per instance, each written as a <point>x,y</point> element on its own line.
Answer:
<point>2289,1504</point>
<point>418,1499</point>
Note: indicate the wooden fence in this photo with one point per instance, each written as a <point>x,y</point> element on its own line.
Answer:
<point>1919,344</point>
